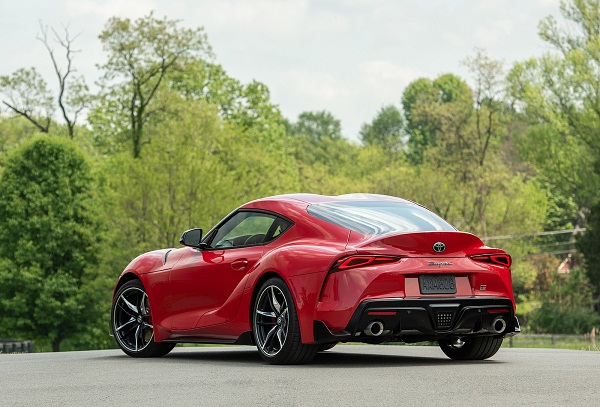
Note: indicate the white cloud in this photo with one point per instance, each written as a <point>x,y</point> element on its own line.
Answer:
<point>272,17</point>
<point>492,34</point>
<point>104,9</point>
<point>346,56</point>
<point>317,87</point>
<point>387,77</point>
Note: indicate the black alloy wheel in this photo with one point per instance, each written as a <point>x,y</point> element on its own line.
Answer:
<point>275,326</point>
<point>131,322</point>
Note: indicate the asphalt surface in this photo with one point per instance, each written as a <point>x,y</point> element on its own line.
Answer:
<point>348,375</point>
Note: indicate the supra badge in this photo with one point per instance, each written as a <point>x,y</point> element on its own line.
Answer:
<point>439,264</point>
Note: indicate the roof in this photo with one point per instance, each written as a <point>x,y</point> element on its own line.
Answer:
<point>314,198</point>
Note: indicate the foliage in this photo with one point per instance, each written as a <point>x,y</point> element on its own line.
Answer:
<point>140,55</point>
<point>426,102</point>
<point>455,136</point>
<point>558,94</point>
<point>560,91</point>
<point>318,125</point>
<point>13,130</point>
<point>588,244</point>
<point>192,176</point>
<point>567,307</point>
<point>48,241</point>
<point>28,96</point>
<point>386,130</point>
<point>174,142</point>
<point>73,92</point>
<point>247,106</point>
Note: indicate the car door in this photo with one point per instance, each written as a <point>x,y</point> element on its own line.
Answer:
<point>206,286</point>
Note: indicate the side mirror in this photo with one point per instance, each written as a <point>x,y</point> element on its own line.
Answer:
<point>192,238</point>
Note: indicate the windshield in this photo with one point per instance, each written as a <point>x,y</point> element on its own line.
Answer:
<point>379,218</point>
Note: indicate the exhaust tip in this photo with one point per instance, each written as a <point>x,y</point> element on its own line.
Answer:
<point>499,325</point>
<point>375,328</point>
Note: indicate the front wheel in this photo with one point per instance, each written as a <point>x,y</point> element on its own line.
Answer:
<point>131,322</point>
<point>471,348</point>
<point>275,326</point>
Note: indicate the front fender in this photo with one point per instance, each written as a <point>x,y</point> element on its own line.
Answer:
<point>150,269</point>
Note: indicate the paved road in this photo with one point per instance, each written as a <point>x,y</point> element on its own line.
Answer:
<point>348,375</point>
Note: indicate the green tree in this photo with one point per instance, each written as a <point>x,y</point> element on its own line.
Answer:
<point>559,96</point>
<point>27,95</point>
<point>560,93</point>
<point>456,136</point>
<point>334,166</point>
<point>567,306</point>
<point>193,175</point>
<point>140,55</point>
<point>13,130</point>
<point>588,244</point>
<point>425,102</point>
<point>386,130</point>
<point>48,242</point>
<point>247,106</point>
<point>318,125</point>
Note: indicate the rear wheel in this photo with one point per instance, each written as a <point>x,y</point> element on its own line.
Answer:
<point>275,326</point>
<point>131,322</point>
<point>473,348</point>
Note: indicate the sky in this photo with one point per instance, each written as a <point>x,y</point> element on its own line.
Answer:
<point>349,57</point>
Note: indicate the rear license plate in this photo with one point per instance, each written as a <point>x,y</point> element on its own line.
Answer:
<point>437,284</point>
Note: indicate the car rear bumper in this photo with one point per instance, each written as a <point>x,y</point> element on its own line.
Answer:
<point>421,319</point>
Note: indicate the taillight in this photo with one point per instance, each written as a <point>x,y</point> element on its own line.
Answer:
<point>501,259</point>
<point>361,261</point>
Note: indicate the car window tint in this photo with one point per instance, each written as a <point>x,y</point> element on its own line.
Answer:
<point>278,227</point>
<point>379,218</point>
<point>278,230</point>
<point>244,229</point>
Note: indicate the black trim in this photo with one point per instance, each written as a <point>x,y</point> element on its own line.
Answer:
<point>245,338</point>
<point>211,234</point>
<point>166,255</point>
<point>421,319</point>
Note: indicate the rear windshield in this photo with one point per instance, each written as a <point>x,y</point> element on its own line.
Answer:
<point>379,218</point>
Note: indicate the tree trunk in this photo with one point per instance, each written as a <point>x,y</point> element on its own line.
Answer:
<point>56,345</point>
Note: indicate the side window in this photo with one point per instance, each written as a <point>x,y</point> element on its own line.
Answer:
<point>244,229</point>
<point>277,228</point>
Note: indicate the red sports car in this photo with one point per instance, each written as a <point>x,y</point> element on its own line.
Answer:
<point>296,274</point>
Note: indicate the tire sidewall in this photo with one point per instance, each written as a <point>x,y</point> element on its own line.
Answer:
<point>153,349</point>
<point>293,329</point>
<point>475,348</point>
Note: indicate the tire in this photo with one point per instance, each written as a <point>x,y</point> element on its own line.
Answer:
<point>474,348</point>
<point>326,346</point>
<point>275,326</point>
<point>131,323</point>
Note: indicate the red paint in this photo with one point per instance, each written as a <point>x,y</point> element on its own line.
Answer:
<point>497,310</point>
<point>207,294</point>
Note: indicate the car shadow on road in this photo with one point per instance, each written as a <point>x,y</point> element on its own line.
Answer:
<point>357,360</point>
<point>330,359</point>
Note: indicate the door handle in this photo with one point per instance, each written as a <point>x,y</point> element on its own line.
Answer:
<point>239,264</point>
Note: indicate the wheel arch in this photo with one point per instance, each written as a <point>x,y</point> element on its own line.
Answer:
<point>129,276</point>
<point>259,282</point>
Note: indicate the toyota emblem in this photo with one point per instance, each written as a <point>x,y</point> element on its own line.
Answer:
<point>439,247</point>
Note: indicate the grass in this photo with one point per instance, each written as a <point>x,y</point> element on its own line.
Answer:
<point>575,342</point>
